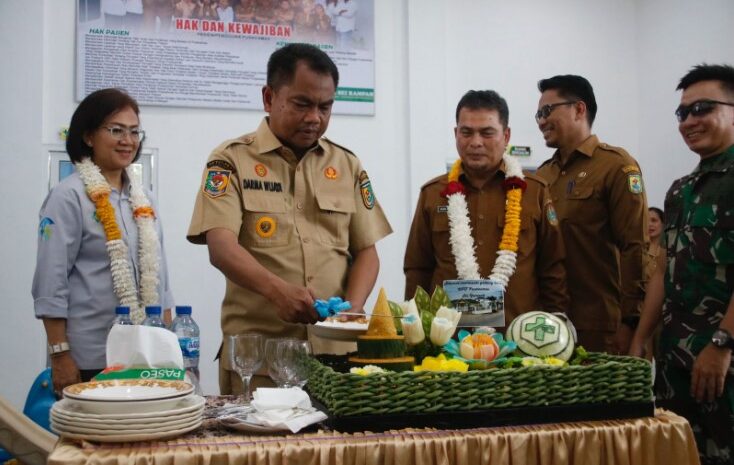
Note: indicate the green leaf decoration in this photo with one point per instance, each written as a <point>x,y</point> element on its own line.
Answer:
<point>422,300</point>
<point>439,299</point>
<point>396,310</point>
<point>580,356</point>
<point>423,350</point>
<point>427,320</point>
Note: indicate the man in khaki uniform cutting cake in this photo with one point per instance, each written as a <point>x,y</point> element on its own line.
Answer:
<point>288,216</point>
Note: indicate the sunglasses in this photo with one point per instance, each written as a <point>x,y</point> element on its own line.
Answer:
<point>546,110</point>
<point>699,108</point>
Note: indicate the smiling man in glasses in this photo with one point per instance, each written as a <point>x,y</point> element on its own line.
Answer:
<point>598,193</point>
<point>694,296</point>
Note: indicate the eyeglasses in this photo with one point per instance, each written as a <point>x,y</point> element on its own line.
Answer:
<point>699,108</point>
<point>546,110</point>
<point>118,132</point>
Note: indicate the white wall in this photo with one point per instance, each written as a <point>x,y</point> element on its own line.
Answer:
<point>429,52</point>
<point>22,186</point>
<point>632,51</point>
<point>508,47</point>
<point>672,37</point>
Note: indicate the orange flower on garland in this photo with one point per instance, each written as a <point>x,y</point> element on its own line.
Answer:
<point>144,212</point>
<point>106,215</point>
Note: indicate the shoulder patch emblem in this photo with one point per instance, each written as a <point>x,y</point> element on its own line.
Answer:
<point>634,182</point>
<point>330,173</point>
<point>368,195</point>
<point>265,227</point>
<point>216,182</point>
<point>630,168</point>
<point>550,213</point>
<point>44,228</point>
<point>221,164</point>
<point>261,170</point>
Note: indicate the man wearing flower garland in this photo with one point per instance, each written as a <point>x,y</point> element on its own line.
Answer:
<point>602,210</point>
<point>694,293</point>
<point>519,245</point>
<point>288,216</point>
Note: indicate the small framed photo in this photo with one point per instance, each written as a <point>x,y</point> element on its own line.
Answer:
<point>145,169</point>
<point>481,302</point>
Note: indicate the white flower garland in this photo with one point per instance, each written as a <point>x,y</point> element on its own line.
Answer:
<point>462,242</point>
<point>148,243</point>
<point>123,283</point>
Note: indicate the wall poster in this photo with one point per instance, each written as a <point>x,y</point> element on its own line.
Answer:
<point>213,53</point>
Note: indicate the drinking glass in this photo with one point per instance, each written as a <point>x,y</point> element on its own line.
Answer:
<point>292,362</point>
<point>245,356</point>
<point>273,362</point>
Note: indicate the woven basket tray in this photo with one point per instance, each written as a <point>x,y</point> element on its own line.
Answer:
<point>604,379</point>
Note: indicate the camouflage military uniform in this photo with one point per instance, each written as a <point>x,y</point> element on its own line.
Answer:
<point>699,280</point>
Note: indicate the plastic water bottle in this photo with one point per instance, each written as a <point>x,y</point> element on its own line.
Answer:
<point>153,317</point>
<point>122,316</point>
<point>187,332</point>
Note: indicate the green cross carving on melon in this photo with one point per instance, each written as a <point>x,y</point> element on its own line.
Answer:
<point>540,328</point>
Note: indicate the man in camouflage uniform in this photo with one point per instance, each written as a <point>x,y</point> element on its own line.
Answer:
<point>694,288</point>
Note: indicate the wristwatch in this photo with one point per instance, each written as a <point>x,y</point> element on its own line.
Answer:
<point>722,338</point>
<point>54,349</point>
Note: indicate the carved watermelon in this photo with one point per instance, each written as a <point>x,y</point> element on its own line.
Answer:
<point>541,334</point>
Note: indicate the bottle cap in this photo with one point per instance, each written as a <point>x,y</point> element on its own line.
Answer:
<point>183,309</point>
<point>122,310</point>
<point>153,310</point>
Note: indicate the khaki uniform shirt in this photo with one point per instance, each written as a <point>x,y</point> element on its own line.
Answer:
<point>302,220</point>
<point>602,209</point>
<point>539,281</point>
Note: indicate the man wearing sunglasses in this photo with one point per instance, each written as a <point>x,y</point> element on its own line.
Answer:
<point>598,193</point>
<point>694,296</point>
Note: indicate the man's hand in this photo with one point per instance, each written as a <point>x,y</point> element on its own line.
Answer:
<point>637,348</point>
<point>353,317</point>
<point>709,371</point>
<point>294,304</point>
<point>64,372</point>
<point>623,338</point>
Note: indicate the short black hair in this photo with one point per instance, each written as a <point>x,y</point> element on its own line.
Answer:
<point>574,87</point>
<point>282,64</point>
<point>484,100</point>
<point>705,72</point>
<point>660,213</point>
<point>89,116</point>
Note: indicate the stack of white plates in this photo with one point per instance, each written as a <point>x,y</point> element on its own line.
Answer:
<point>127,410</point>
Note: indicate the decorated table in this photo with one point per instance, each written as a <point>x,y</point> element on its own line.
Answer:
<point>663,439</point>
<point>406,398</point>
